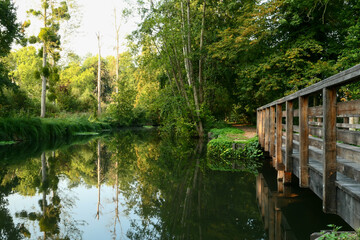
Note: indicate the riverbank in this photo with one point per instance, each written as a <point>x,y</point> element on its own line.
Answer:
<point>234,148</point>
<point>13,130</point>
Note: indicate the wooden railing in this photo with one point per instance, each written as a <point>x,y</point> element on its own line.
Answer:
<point>314,136</point>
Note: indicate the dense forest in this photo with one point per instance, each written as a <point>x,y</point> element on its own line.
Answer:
<point>188,65</point>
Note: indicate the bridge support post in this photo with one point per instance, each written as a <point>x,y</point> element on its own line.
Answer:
<point>278,136</point>
<point>329,150</point>
<point>304,142</point>
<point>267,128</point>
<point>272,131</point>
<point>262,114</point>
<point>289,141</point>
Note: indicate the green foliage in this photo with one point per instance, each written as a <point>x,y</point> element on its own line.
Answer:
<point>336,235</point>
<point>35,129</point>
<point>9,27</point>
<point>224,131</point>
<point>245,157</point>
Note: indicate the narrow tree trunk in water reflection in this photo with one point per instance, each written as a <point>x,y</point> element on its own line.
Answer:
<point>43,179</point>
<point>117,219</point>
<point>99,178</point>
<point>190,190</point>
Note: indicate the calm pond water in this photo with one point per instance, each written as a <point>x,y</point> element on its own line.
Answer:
<point>137,185</point>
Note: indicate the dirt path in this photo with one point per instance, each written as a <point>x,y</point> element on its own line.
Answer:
<point>250,131</point>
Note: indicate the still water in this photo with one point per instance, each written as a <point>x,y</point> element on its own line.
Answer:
<point>138,185</point>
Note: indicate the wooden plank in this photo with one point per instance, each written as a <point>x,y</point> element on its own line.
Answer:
<point>348,108</point>
<point>261,137</point>
<point>296,112</point>
<point>315,111</point>
<point>342,78</point>
<point>348,152</point>
<point>272,131</point>
<point>304,142</point>
<point>349,137</point>
<point>278,135</point>
<point>339,125</point>
<point>289,139</point>
<point>346,136</point>
<point>329,150</point>
<point>257,123</point>
<point>296,128</point>
<point>267,129</point>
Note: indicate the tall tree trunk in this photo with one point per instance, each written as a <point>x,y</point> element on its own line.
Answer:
<point>99,178</point>
<point>117,29</point>
<point>191,80</point>
<point>43,77</point>
<point>99,76</point>
<point>201,84</point>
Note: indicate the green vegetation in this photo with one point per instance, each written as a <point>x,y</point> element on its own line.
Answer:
<point>334,234</point>
<point>6,143</point>
<point>188,65</point>
<point>36,129</point>
<point>228,153</point>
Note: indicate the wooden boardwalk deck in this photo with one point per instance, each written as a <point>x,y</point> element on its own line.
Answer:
<point>314,136</point>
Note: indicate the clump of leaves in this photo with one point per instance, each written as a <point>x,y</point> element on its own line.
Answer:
<point>221,155</point>
<point>334,234</point>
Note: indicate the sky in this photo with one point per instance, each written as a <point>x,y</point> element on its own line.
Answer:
<point>92,16</point>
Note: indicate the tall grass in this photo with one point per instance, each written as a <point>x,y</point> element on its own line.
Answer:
<point>36,129</point>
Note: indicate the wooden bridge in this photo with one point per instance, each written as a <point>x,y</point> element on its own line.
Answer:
<point>315,137</point>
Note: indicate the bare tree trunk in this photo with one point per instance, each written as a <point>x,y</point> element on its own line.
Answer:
<point>99,76</point>
<point>43,77</point>
<point>201,86</point>
<point>99,178</point>
<point>117,29</point>
<point>191,80</point>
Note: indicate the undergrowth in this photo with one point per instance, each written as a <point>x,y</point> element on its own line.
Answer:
<point>35,129</point>
<point>336,235</point>
<point>223,157</point>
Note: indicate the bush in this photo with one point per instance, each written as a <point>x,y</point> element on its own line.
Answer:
<point>336,235</point>
<point>245,157</point>
<point>48,129</point>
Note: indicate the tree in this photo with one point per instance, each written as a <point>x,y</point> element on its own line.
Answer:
<point>51,14</point>
<point>9,31</point>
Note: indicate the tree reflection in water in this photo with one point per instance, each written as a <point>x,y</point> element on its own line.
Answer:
<point>161,185</point>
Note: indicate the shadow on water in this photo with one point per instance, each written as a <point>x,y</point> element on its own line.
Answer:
<point>138,185</point>
<point>290,212</point>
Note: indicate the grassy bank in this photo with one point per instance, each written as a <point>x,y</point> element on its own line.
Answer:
<point>230,150</point>
<point>49,129</point>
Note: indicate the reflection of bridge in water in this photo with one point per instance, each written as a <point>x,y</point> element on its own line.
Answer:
<point>314,134</point>
<point>290,212</point>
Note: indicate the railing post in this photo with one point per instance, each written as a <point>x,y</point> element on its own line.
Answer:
<point>272,131</point>
<point>267,129</point>
<point>304,142</point>
<point>257,122</point>
<point>261,137</point>
<point>289,141</point>
<point>278,135</point>
<point>329,150</point>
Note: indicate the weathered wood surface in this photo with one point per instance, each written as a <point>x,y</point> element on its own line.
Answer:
<point>278,135</point>
<point>272,131</point>
<point>342,78</point>
<point>323,150</point>
<point>289,139</point>
<point>304,141</point>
